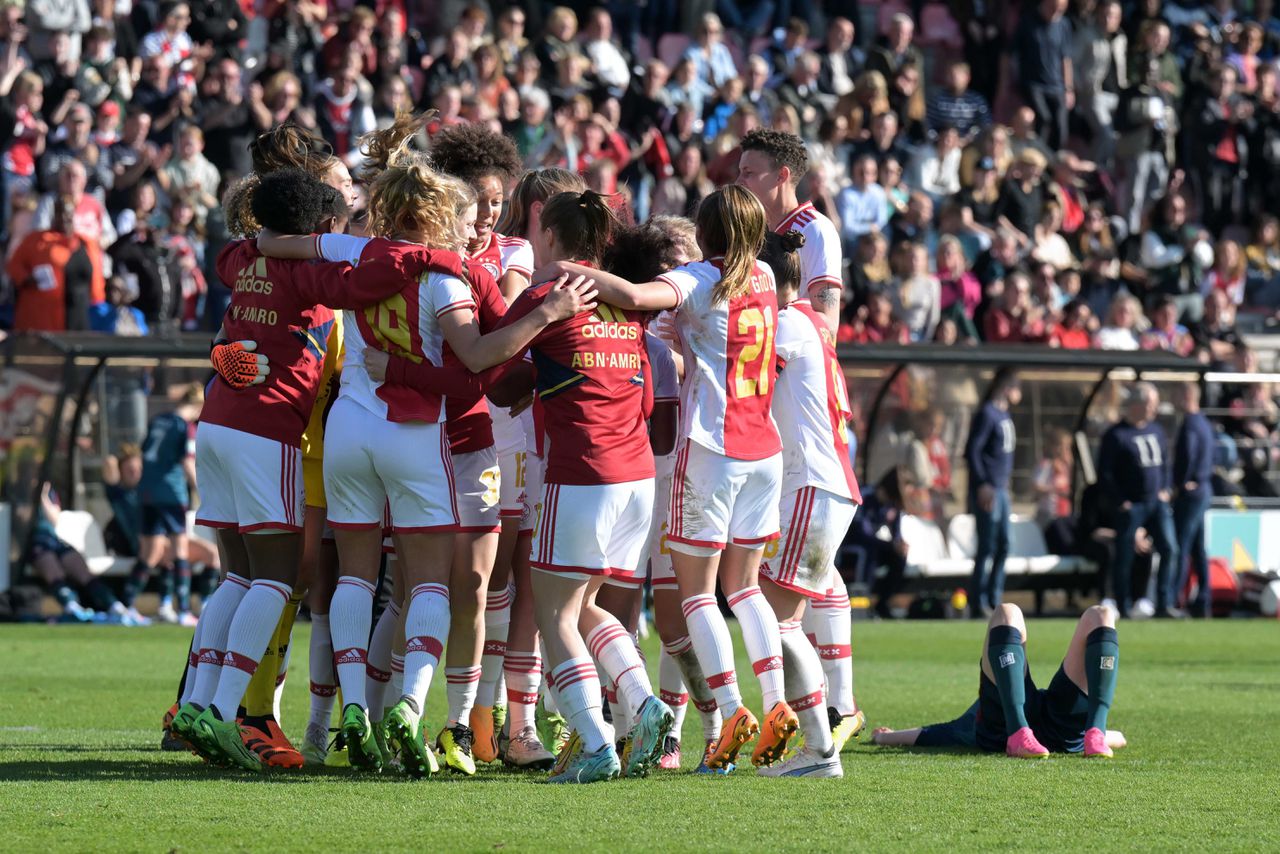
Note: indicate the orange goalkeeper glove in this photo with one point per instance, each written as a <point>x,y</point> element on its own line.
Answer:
<point>238,364</point>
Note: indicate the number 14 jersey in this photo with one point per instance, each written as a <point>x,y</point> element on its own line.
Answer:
<point>728,350</point>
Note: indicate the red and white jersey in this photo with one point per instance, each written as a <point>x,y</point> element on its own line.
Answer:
<point>820,259</point>
<point>499,256</point>
<point>406,324</point>
<point>728,361</point>
<point>812,406</point>
<point>503,254</point>
<point>469,426</point>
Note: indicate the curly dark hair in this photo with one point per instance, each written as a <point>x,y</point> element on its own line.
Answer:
<point>641,253</point>
<point>290,201</point>
<point>784,149</point>
<point>472,152</point>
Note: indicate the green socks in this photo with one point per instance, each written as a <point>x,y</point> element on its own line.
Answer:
<point>1008,662</point>
<point>1101,665</point>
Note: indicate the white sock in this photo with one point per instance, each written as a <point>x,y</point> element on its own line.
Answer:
<point>324,681</point>
<point>671,690</point>
<point>714,647</point>
<point>247,638</point>
<point>193,665</point>
<point>349,615</point>
<point>760,635</point>
<point>578,688</point>
<point>681,652</point>
<point>829,622</point>
<point>378,662</point>
<point>523,673</point>
<point>497,621</point>
<point>216,620</point>
<point>281,675</point>
<point>549,699</point>
<point>461,684</point>
<point>396,687</point>
<point>804,686</point>
<point>426,627</point>
<point>612,646</point>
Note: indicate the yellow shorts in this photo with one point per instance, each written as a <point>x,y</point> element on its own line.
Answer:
<point>313,481</point>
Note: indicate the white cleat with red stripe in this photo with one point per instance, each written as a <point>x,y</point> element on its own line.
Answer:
<point>805,762</point>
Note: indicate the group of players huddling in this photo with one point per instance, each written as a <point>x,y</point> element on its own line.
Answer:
<point>535,416</point>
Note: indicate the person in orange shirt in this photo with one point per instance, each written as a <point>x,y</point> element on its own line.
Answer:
<point>58,276</point>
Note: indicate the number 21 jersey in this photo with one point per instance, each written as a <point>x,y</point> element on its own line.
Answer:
<point>728,349</point>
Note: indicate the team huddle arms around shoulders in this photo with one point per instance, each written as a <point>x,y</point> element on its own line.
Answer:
<point>507,409</point>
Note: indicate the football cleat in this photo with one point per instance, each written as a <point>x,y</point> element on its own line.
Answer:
<point>670,760</point>
<point>1095,744</point>
<point>805,762</point>
<point>653,724</point>
<point>166,613</point>
<point>704,768</point>
<point>779,726</point>
<point>526,752</point>
<point>454,744</point>
<point>338,757</point>
<point>315,745</point>
<point>553,731</point>
<point>1023,744</point>
<point>739,729</point>
<point>484,731</point>
<point>404,734</point>
<point>568,753</point>
<point>383,743</point>
<point>499,717</point>
<point>845,728</point>
<point>223,740</point>
<point>263,736</point>
<point>183,727</point>
<point>362,748</point>
<point>591,767</point>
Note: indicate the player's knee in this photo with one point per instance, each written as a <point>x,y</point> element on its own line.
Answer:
<point>1099,615</point>
<point>1006,614</point>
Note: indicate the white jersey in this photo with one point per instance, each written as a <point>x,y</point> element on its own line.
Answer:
<point>406,324</point>
<point>820,258</point>
<point>812,406</point>
<point>728,361</point>
<point>501,255</point>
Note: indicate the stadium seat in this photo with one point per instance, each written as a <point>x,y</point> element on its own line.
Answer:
<point>671,47</point>
<point>79,529</point>
<point>927,550</point>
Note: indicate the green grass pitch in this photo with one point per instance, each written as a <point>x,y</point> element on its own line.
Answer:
<point>80,767</point>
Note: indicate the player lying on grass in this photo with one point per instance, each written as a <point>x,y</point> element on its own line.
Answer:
<point>1070,716</point>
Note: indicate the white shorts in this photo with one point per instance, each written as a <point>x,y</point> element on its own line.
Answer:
<point>476,478</point>
<point>531,497</point>
<point>593,530</point>
<point>657,556</point>
<point>247,482</point>
<point>511,485</point>
<point>716,501</point>
<point>814,523</point>
<point>372,465</point>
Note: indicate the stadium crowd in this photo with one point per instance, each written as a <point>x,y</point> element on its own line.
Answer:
<point>1088,175</point>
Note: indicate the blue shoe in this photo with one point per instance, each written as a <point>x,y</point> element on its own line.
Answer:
<point>652,726</point>
<point>74,612</point>
<point>704,768</point>
<point>591,767</point>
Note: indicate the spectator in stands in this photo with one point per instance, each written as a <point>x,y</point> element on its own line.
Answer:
<point>1218,131</point>
<point>117,316</point>
<point>989,455</point>
<point>1022,196</point>
<point>936,169</point>
<point>960,289</point>
<point>356,36</point>
<point>916,223</point>
<point>748,18</point>
<point>608,65</point>
<point>1014,319</point>
<point>874,323</point>
<point>1193,455</point>
<point>66,574</point>
<point>190,173</point>
<point>1120,331</point>
<point>841,60</point>
<point>1165,332</point>
<point>120,477</point>
<point>982,25</point>
<point>1101,67</point>
<point>881,510</point>
<point>1052,479</point>
<point>757,92</point>
<point>1133,466</point>
<point>557,42</point>
<point>1146,125</point>
<point>1045,76</point>
<point>227,107</point>
<point>454,67</point>
<point>1048,247</point>
<point>1095,539</point>
<point>1073,332</point>
<point>800,92</point>
<point>1216,333</point>
<point>917,295</point>
<point>159,94</point>
<point>76,145</point>
<point>1228,271</point>
<point>57,275</point>
<point>869,270</point>
<point>956,106</point>
<point>710,57</point>
<point>863,206</point>
<point>896,49</point>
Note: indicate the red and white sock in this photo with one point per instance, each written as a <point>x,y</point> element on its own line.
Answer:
<point>804,686</point>
<point>613,647</point>
<point>671,690</point>
<point>830,624</point>
<point>324,681</point>
<point>350,613</point>
<point>714,647</point>
<point>281,675</point>
<point>760,636</point>
<point>425,627</point>
<point>578,689</point>
<point>497,622</point>
<point>193,664</point>
<point>681,652</point>
<point>247,638</point>
<point>397,675</point>
<point>523,672</point>
<point>378,664</point>
<point>461,684</point>
<point>216,620</point>
<point>549,699</point>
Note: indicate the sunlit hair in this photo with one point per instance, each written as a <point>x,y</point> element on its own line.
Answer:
<point>682,231</point>
<point>391,145</point>
<point>782,253</point>
<point>533,187</point>
<point>731,223</point>
<point>286,146</point>
<point>641,253</point>
<point>409,198</point>
<point>583,224</point>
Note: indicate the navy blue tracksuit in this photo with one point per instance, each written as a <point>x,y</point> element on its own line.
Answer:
<point>1193,463</point>
<point>989,453</point>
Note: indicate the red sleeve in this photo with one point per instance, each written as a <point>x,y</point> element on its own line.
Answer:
<point>524,304</point>
<point>229,263</point>
<point>490,306</point>
<point>379,276</point>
